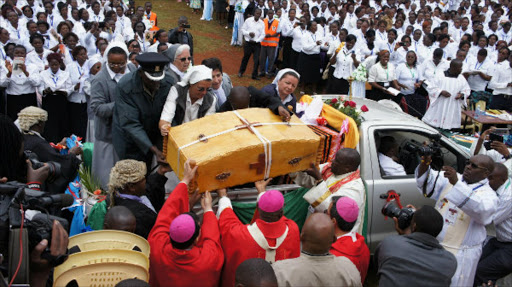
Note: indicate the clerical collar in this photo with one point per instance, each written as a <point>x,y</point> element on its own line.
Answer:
<point>309,254</point>
<point>448,75</point>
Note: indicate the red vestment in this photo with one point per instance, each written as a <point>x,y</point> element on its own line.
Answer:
<point>239,245</point>
<point>199,266</point>
<point>357,252</point>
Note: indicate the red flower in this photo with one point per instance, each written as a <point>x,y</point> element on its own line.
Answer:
<point>97,192</point>
<point>321,121</point>
<point>352,104</point>
<point>334,101</point>
<point>364,109</point>
<point>345,104</point>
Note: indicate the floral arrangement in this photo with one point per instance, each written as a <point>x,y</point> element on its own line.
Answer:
<point>348,108</point>
<point>360,74</point>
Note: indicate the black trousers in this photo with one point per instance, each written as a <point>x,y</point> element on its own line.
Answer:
<point>501,102</point>
<point>251,48</point>
<point>78,119</point>
<point>287,48</point>
<point>16,103</point>
<point>495,262</point>
<point>294,59</point>
<point>57,125</point>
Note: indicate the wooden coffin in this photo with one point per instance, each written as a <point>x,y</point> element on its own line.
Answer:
<point>229,153</point>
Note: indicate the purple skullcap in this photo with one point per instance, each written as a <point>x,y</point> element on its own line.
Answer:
<point>271,201</point>
<point>347,209</point>
<point>182,228</point>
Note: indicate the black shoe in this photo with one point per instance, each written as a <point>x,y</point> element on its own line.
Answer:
<point>240,75</point>
<point>255,78</point>
<point>261,75</point>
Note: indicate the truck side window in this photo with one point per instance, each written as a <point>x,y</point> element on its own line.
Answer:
<point>398,152</point>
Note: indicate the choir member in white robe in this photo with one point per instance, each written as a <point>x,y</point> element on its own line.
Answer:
<point>447,92</point>
<point>467,203</point>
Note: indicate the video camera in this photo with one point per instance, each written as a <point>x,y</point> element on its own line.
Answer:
<point>14,197</point>
<point>433,149</point>
<point>55,183</point>
<point>403,215</point>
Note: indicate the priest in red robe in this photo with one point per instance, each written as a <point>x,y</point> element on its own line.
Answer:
<point>271,237</point>
<point>344,212</point>
<point>183,252</point>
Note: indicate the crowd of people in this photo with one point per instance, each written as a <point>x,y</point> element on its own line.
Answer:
<point>107,73</point>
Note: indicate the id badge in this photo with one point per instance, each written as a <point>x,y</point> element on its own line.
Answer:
<point>451,216</point>
<point>386,85</point>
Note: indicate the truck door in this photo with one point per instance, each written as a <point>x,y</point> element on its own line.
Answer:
<point>407,140</point>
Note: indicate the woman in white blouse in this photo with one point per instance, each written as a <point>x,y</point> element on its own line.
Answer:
<point>345,60</point>
<point>56,87</point>
<point>77,103</point>
<point>398,57</point>
<point>309,59</point>
<point>20,80</point>
<point>382,77</point>
<point>408,78</point>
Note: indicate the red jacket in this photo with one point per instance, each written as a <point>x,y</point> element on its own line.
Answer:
<point>199,266</point>
<point>357,252</point>
<point>239,245</point>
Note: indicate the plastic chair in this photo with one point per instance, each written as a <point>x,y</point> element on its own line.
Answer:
<point>102,256</point>
<point>102,274</point>
<point>108,239</point>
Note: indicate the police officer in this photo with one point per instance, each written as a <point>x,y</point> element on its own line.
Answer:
<point>140,99</point>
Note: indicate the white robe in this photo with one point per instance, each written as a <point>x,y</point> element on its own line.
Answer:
<point>353,189</point>
<point>445,112</point>
<point>479,202</point>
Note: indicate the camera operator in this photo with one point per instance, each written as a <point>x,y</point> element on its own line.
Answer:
<point>495,261</point>
<point>180,35</point>
<point>32,122</point>
<point>12,168</point>
<point>499,151</point>
<point>415,257</point>
<point>467,203</point>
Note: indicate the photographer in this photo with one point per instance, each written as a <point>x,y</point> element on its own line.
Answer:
<point>180,35</point>
<point>415,257</point>
<point>32,122</point>
<point>499,151</point>
<point>14,167</point>
<point>467,203</point>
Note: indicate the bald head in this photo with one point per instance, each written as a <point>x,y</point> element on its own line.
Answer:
<point>255,272</point>
<point>346,160</point>
<point>239,98</point>
<point>455,67</point>
<point>120,218</point>
<point>317,234</point>
<point>480,167</point>
<point>498,176</point>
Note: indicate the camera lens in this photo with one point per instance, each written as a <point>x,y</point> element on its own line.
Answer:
<point>390,209</point>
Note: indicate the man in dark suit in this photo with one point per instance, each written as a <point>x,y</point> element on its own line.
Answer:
<point>180,35</point>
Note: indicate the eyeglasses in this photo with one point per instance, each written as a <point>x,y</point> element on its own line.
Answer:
<point>202,89</point>
<point>185,58</point>
<point>473,165</point>
<point>135,46</point>
<point>113,65</point>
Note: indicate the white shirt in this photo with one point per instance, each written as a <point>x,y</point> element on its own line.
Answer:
<point>20,84</point>
<point>345,64</point>
<point>116,76</point>
<point>476,82</point>
<point>40,62</point>
<point>190,109</point>
<point>61,81</point>
<point>407,76</point>
<point>309,45</point>
<point>501,77</point>
<point>256,27</point>
<point>78,75</point>
<point>503,217</point>
<point>287,27</point>
<point>398,57</point>
<point>298,34</point>
<point>379,74</point>
<point>428,69</point>
<point>390,167</point>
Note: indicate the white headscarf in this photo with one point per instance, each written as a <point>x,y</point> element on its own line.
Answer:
<point>282,72</point>
<point>113,44</point>
<point>196,74</point>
